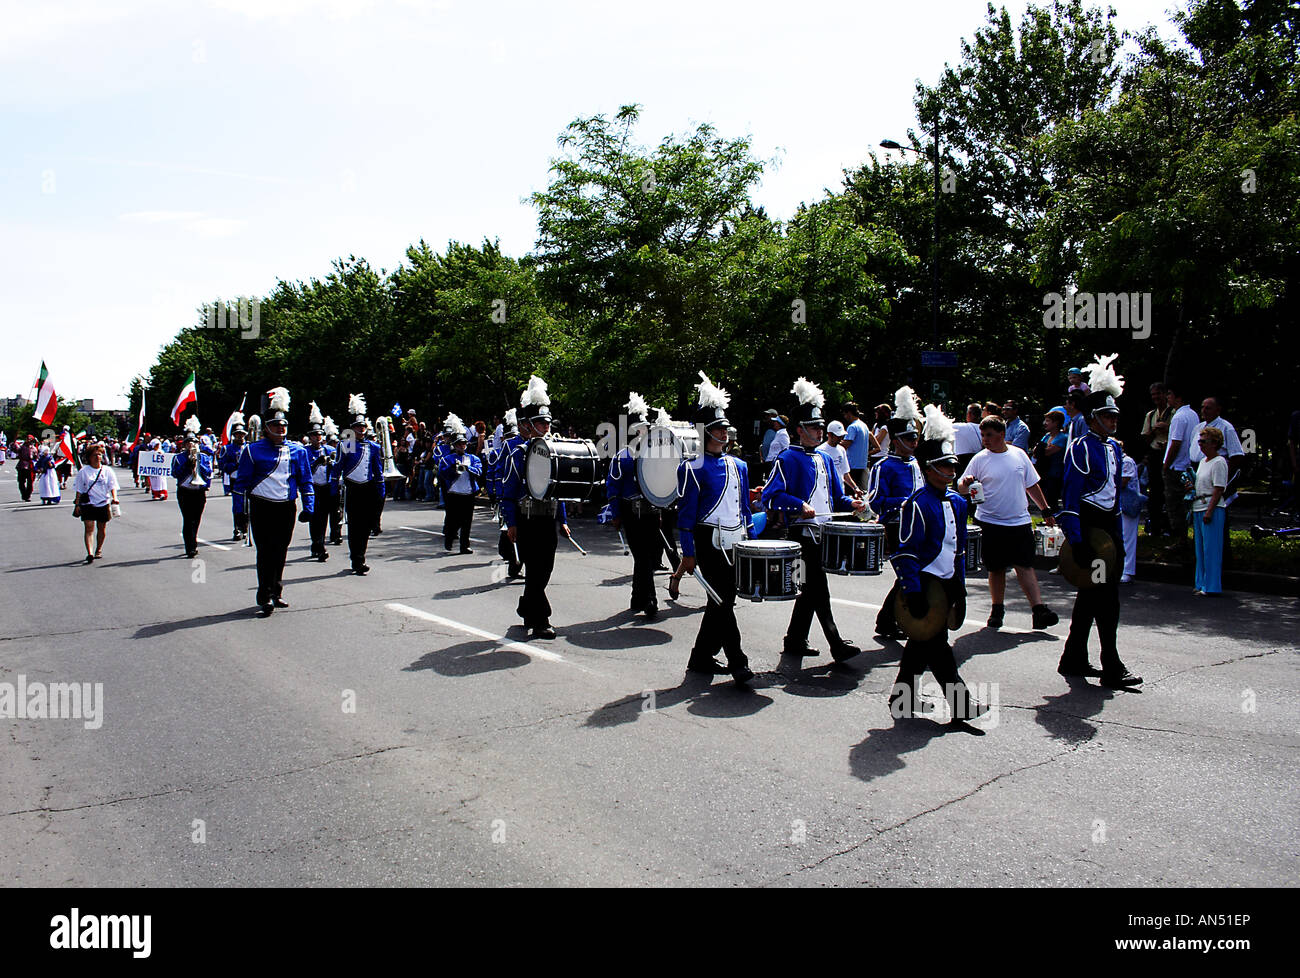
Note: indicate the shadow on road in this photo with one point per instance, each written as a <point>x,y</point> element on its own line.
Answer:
<point>470,659</point>
<point>704,698</point>
<point>882,751</point>
<point>988,641</point>
<point>1065,717</point>
<point>167,627</point>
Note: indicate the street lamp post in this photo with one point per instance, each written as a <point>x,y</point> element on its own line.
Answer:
<point>934,252</point>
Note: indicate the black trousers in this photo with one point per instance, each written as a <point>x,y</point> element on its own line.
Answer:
<point>537,537</point>
<point>363,516</point>
<point>191,502</point>
<point>936,655</point>
<point>1156,511</point>
<point>25,477</point>
<point>718,628</point>
<point>320,517</point>
<point>886,621</point>
<point>507,551</point>
<point>272,528</point>
<point>642,535</point>
<point>668,540</point>
<point>1098,604</point>
<point>457,518</point>
<point>239,511</point>
<point>335,506</point>
<point>815,598</point>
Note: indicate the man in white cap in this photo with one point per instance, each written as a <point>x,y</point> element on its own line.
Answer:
<point>835,449</point>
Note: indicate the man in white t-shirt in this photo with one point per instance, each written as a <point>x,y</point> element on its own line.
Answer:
<point>1009,481</point>
<point>1182,426</point>
<point>834,449</point>
<point>967,440</point>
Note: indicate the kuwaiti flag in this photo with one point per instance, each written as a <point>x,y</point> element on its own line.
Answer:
<point>47,402</point>
<point>139,425</point>
<point>189,395</point>
<point>230,421</point>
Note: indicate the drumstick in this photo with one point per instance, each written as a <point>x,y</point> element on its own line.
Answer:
<point>623,540</point>
<point>705,584</point>
<point>569,537</point>
<point>516,549</point>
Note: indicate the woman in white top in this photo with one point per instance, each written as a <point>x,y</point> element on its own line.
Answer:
<point>1207,512</point>
<point>96,489</point>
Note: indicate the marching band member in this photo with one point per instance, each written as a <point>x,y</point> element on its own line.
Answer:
<point>462,474</point>
<point>805,485</point>
<point>632,513</point>
<point>1090,503</point>
<point>323,461</point>
<point>363,477</point>
<point>889,485</point>
<point>932,546</point>
<point>531,522</point>
<point>335,506</point>
<point>712,516</point>
<point>508,551</point>
<point>274,472</point>
<point>228,462</point>
<point>192,471</point>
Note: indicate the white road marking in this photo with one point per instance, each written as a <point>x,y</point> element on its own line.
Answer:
<point>505,643</point>
<point>855,604</point>
<point>209,543</point>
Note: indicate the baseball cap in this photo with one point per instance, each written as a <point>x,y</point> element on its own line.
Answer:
<point>835,428</point>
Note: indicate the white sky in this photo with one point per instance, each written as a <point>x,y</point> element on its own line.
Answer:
<point>155,154</point>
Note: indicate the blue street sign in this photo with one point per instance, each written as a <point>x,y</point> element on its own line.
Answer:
<point>938,358</point>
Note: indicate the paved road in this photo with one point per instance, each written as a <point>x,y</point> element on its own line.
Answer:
<point>471,758</point>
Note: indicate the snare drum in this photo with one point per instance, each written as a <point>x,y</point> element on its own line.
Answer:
<point>662,450</point>
<point>853,548</point>
<point>562,469</point>
<point>974,549</point>
<point>765,569</point>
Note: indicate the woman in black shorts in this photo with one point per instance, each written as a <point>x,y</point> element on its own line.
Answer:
<point>95,486</point>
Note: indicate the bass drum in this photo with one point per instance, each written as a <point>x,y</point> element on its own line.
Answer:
<point>564,469</point>
<point>663,449</point>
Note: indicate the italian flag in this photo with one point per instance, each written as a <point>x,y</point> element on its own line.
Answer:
<point>189,395</point>
<point>139,425</point>
<point>66,449</point>
<point>225,433</point>
<point>47,402</point>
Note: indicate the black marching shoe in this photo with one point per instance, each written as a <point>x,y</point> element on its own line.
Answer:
<point>466,550</point>
<point>1044,616</point>
<point>446,545</point>
<point>996,615</point>
<point>799,649</point>
<point>710,667</point>
<point>542,631</point>
<point>264,606</point>
<point>843,651</point>
<point>1120,680</point>
<point>1084,670</point>
<point>742,675</point>
<point>888,631</point>
<point>361,570</point>
<point>279,602</point>
<point>651,610</point>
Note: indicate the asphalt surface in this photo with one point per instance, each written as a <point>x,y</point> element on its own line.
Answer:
<point>590,759</point>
